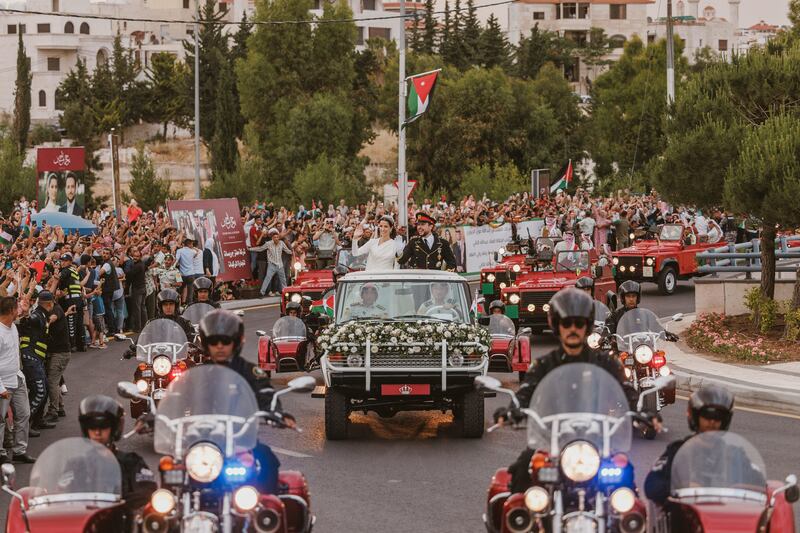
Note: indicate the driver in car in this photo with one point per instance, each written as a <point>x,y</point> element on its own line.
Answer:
<point>439,300</point>
<point>368,306</point>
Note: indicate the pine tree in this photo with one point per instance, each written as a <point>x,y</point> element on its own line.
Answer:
<point>22,98</point>
<point>429,30</point>
<point>471,34</point>
<point>445,34</point>
<point>148,188</point>
<point>224,150</point>
<point>457,53</point>
<point>415,42</point>
<point>163,104</point>
<point>493,48</point>
<point>239,49</point>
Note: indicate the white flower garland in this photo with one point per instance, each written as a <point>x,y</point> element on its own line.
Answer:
<point>352,337</point>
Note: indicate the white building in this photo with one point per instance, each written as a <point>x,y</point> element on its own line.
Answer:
<point>757,35</point>
<point>709,30</point>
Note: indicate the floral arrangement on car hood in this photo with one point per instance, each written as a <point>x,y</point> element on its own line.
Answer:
<point>352,336</point>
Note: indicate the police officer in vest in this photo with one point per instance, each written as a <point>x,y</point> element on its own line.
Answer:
<point>34,330</point>
<point>426,250</point>
<point>70,293</point>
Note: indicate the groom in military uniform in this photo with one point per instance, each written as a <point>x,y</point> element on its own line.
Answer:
<point>427,250</point>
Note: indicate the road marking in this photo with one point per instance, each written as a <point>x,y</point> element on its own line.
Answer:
<point>290,453</point>
<point>753,410</point>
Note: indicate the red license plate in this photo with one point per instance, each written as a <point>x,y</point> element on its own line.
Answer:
<point>406,389</point>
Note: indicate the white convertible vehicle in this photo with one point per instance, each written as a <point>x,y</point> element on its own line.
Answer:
<point>403,340</point>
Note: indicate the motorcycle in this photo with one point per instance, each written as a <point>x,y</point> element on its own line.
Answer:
<point>599,329</point>
<point>206,428</point>
<point>288,349</point>
<point>718,485</point>
<point>582,478</point>
<point>161,350</point>
<point>75,485</point>
<point>510,351</point>
<point>637,338</point>
<point>194,313</point>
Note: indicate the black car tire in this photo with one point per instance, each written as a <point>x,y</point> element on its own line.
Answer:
<point>668,280</point>
<point>337,414</point>
<point>471,406</point>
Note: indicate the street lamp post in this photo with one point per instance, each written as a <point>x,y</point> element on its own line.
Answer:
<point>402,183</point>
<point>197,102</point>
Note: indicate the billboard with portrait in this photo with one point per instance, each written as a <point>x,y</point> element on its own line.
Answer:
<point>60,185</point>
<point>216,225</point>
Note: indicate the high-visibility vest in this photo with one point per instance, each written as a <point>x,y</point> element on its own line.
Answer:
<point>74,287</point>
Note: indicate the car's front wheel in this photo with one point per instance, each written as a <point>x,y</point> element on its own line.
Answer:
<point>471,415</point>
<point>337,414</point>
<point>667,280</point>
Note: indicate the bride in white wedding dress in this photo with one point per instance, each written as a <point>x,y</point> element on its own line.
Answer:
<point>381,251</point>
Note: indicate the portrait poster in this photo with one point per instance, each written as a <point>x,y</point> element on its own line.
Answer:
<point>60,187</point>
<point>216,225</point>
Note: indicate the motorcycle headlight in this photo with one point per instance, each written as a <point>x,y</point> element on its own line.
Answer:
<point>580,461</point>
<point>615,260</point>
<point>664,371</point>
<point>643,354</point>
<point>204,462</point>
<point>296,298</point>
<point>622,500</point>
<point>537,499</point>
<point>490,278</point>
<point>516,268</point>
<point>162,365</point>
<point>162,501</point>
<point>514,298</point>
<point>593,341</point>
<point>245,498</point>
<point>142,386</point>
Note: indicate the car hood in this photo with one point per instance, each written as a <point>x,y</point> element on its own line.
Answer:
<point>650,248</point>
<point>545,280</point>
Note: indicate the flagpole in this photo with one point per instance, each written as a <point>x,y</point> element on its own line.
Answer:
<point>402,179</point>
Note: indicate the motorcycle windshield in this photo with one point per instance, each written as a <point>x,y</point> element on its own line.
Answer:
<point>210,403</point>
<point>582,395</point>
<point>75,466</point>
<point>601,312</point>
<point>638,320</point>
<point>161,337</point>
<point>501,326</point>
<point>718,463</point>
<point>289,328</point>
<point>195,312</point>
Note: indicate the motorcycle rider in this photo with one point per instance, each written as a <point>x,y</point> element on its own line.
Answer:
<point>202,291</point>
<point>630,294</point>
<point>710,409</point>
<point>167,302</point>
<point>222,338</point>
<point>497,307</point>
<point>570,317</point>
<point>293,309</point>
<point>101,420</point>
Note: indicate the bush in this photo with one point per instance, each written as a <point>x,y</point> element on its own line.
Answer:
<point>792,321</point>
<point>149,189</point>
<point>496,183</point>
<point>763,311</point>
<point>43,133</point>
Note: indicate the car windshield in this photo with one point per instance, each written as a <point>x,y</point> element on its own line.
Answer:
<point>716,460</point>
<point>582,394</point>
<point>74,466</point>
<point>345,258</point>
<point>210,403</point>
<point>501,326</point>
<point>401,299</point>
<point>289,328</point>
<point>195,312</point>
<point>639,320</point>
<point>161,337</point>
<point>671,232</point>
<point>572,261</point>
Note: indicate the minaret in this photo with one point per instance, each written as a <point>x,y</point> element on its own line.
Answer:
<point>694,8</point>
<point>733,17</point>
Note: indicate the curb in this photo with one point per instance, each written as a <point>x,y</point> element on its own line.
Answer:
<point>234,305</point>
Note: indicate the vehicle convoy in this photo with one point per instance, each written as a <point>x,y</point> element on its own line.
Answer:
<point>207,429</point>
<point>579,424</point>
<point>718,484</point>
<point>315,283</point>
<point>75,486</point>
<point>527,301</point>
<point>510,350</point>
<point>670,257</point>
<point>288,349</point>
<point>402,340</point>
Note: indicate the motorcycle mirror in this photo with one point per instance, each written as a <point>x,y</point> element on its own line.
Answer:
<point>487,382</point>
<point>128,390</point>
<point>9,474</point>
<point>121,337</point>
<point>664,382</point>
<point>239,312</point>
<point>677,317</point>
<point>261,333</point>
<point>302,384</point>
<point>792,492</point>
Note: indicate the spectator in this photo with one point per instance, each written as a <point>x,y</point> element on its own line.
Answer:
<point>13,390</point>
<point>135,272</point>
<point>185,258</point>
<point>134,212</point>
<point>275,247</point>
<point>58,355</point>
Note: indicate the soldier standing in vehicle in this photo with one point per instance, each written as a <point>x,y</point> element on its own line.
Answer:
<point>427,250</point>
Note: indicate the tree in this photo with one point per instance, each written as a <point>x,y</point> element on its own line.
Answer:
<point>330,180</point>
<point>224,148</point>
<point>493,47</point>
<point>538,48</point>
<point>551,86</point>
<point>22,98</point>
<point>148,188</point>
<point>445,40</point>
<point>415,41</point>
<point>166,98</point>
<point>429,31</point>
<point>16,179</point>
<point>471,35</point>
<point>80,125</point>
<point>239,49</point>
<point>596,50</point>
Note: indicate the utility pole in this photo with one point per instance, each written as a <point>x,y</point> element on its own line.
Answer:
<point>197,102</point>
<point>402,179</point>
<point>670,56</point>
<point>113,141</point>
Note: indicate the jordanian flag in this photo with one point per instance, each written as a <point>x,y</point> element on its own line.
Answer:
<point>420,93</point>
<point>565,180</point>
<point>325,304</point>
<point>5,238</point>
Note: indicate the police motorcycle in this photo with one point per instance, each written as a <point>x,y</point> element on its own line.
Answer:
<point>579,423</point>
<point>638,339</point>
<point>75,485</point>
<point>599,329</point>
<point>194,313</point>
<point>206,428</point>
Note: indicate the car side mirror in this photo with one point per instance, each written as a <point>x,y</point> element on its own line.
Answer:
<point>302,384</point>
<point>261,333</point>
<point>483,320</point>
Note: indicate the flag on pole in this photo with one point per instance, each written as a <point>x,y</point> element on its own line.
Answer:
<point>420,93</point>
<point>565,180</point>
<point>5,238</point>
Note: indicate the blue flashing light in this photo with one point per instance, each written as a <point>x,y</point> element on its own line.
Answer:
<point>235,472</point>
<point>610,474</point>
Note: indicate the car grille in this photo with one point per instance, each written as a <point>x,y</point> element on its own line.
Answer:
<point>628,262</point>
<point>537,298</point>
<point>405,360</point>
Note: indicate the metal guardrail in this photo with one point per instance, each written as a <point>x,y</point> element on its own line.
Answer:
<point>746,257</point>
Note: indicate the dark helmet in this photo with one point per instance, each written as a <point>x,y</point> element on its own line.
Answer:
<point>100,411</point>
<point>168,295</point>
<point>222,324</point>
<point>630,287</point>
<point>338,272</point>
<point>584,282</point>
<point>497,304</point>
<point>46,296</point>
<point>293,306</point>
<point>712,402</point>
<point>570,303</point>
<point>202,284</point>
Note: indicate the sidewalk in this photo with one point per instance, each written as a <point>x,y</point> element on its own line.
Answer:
<point>775,387</point>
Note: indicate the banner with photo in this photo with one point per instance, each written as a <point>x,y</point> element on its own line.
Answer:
<point>483,241</point>
<point>216,225</point>
<point>60,187</point>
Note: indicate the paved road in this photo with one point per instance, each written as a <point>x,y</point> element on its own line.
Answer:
<point>411,472</point>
